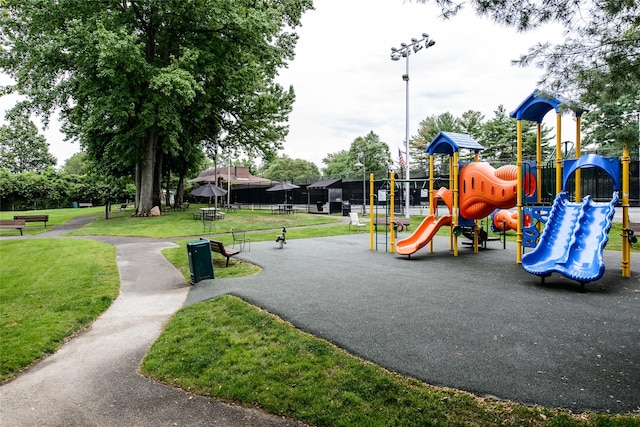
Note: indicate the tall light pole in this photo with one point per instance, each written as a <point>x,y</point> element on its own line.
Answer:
<point>403,52</point>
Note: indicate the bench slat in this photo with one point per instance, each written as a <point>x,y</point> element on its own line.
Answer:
<point>32,218</point>
<point>12,224</point>
<point>219,247</point>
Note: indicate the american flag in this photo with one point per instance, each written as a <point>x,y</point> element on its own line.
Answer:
<point>403,163</point>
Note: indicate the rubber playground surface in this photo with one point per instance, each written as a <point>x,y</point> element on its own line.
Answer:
<point>476,322</point>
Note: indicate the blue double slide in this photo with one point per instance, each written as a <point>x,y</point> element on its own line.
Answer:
<point>576,233</point>
<point>573,240</point>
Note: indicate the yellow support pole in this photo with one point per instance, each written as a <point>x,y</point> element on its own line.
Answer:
<point>626,245</point>
<point>371,211</point>
<point>451,189</point>
<point>538,162</point>
<point>475,221</point>
<point>519,193</point>
<point>558,153</point>
<point>539,170</point>
<point>578,154</point>
<point>432,208</point>
<point>455,201</point>
<point>392,231</point>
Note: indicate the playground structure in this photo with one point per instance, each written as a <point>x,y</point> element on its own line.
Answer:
<point>580,256</point>
<point>575,233</point>
<point>476,190</point>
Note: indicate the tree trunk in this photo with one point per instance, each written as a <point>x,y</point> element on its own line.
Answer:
<point>180,189</point>
<point>167,199</point>
<point>137,179</point>
<point>157,176</point>
<point>147,175</point>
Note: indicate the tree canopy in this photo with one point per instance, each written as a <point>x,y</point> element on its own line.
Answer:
<point>286,169</point>
<point>369,152</point>
<point>77,164</point>
<point>497,135</point>
<point>144,83</point>
<point>596,65</point>
<point>22,148</point>
<point>601,43</point>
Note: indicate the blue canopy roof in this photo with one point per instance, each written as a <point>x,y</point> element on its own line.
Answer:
<point>450,142</point>
<point>537,105</point>
<point>608,164</point>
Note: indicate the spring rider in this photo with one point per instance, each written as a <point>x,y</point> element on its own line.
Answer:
<point>281,239</point>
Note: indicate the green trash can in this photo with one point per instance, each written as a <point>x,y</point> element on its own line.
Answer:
<point>200,261</point>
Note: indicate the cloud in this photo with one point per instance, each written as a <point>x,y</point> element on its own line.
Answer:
<point>346,83</point>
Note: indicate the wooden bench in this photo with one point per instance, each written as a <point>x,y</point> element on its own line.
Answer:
<point>180,207</point>
<point>218,247</point>
<point>85,205</point>
<point>32,218</point>
<point>283,210</point>
<point>313,209</point>
<point>386,220</point>
<point>7,224</point>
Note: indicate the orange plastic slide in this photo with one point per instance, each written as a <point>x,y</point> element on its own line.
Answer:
<point>423,234</point>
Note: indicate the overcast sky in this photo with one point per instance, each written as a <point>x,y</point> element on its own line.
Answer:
<point>346,84</point>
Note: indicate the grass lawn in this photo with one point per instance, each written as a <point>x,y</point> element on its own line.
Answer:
<point>51,288</point>
<point>178,224</point>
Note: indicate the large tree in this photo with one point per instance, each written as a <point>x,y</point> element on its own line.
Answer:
<point>427,130</point>
<point>614,124</point>
<point>22,149</point>
<point>131,78</point>
<point>77,164</point>
<point>497,135</point>
<point>367,153</point>
<point>286,169</point>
